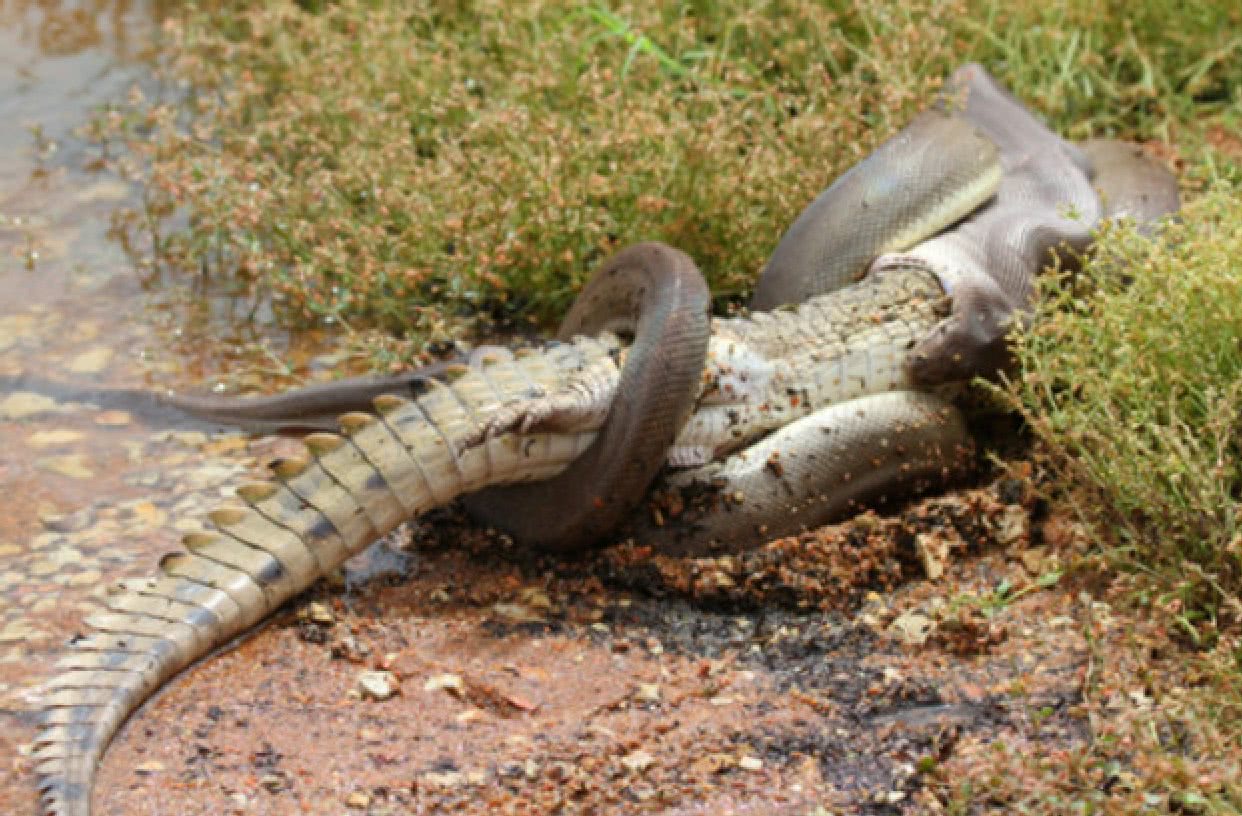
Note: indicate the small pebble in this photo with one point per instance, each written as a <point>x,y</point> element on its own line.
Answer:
<point>320,613</point>
<point>377,685</point>
<point>638,761</point>
<point>113,419</point>
<point>72,465</point>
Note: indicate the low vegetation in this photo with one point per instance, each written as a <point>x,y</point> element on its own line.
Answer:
<point>1132,379</point>
<point>418,169</point>
<point>431,171</point>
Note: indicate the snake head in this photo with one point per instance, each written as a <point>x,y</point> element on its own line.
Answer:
<point>971,341</point>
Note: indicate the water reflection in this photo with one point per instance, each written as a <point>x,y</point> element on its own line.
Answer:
<point>117,28</point>
<point>59,61</point>
<point>66,59</point>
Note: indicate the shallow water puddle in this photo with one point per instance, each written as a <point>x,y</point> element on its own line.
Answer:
<point>90,493</point>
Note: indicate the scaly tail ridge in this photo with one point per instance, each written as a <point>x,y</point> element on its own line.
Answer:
<point>316,512</point>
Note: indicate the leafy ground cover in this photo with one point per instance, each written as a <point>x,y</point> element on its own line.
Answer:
<point>429,173</point>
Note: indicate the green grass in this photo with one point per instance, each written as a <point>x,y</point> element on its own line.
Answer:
<point>420,170</point>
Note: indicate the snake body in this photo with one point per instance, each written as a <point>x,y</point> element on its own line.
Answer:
<point>976,144</point>
<point>936,170</point>
<point>925,178</point>
<point>1045,208</point>
<point>1044,213</point>
<point>656,294</point>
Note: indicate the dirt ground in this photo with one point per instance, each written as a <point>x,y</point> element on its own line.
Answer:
<point>823,673</point>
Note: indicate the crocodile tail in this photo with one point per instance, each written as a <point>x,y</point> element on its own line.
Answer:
<point>316,512</point>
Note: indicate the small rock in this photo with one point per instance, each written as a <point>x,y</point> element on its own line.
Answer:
<point>18,631</point>
<point>65,556</point>
<point>88,578</point>
<point>750,763</point>
<point>377,685</point>
<point>191,439</point>
<point>470,715</point>
<point>225,444</point>
<point>517,613</point>
<point>66,522</point>
<point>205,476</point>
<point>538,599</point>
<point>643,791</point>
<point>272,782</point>
<point>1035,560</point>
<point>113,419</point>
<point>451,683</point>
<point>22,404</point>
<point>319,613</point>
<point>44,540</point>
<point>358,800</point>
<point>348,647</point>
<point>72,465</point>
<point>1013,525</point>
<point>43,568</point>
<point>91,362</point>
<point>445,779</point>
<point>637,761</point>
<point>44,605</point>
<point>146,516</point>
<point>911,628</point>
<point>60,436</point>
<point>648,693</point>
<point>933,553</point>
<point>150,767</point>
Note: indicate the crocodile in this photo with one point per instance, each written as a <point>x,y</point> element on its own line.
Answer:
<point>412,455</point>
<point>514,417</point>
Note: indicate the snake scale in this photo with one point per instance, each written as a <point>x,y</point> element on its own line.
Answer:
<point>803,411</point>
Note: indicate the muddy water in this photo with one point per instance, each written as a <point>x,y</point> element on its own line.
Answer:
<point>90,492</point>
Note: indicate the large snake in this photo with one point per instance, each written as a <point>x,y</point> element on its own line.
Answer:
<point>1018,198</point>
<point>1051,196</point>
